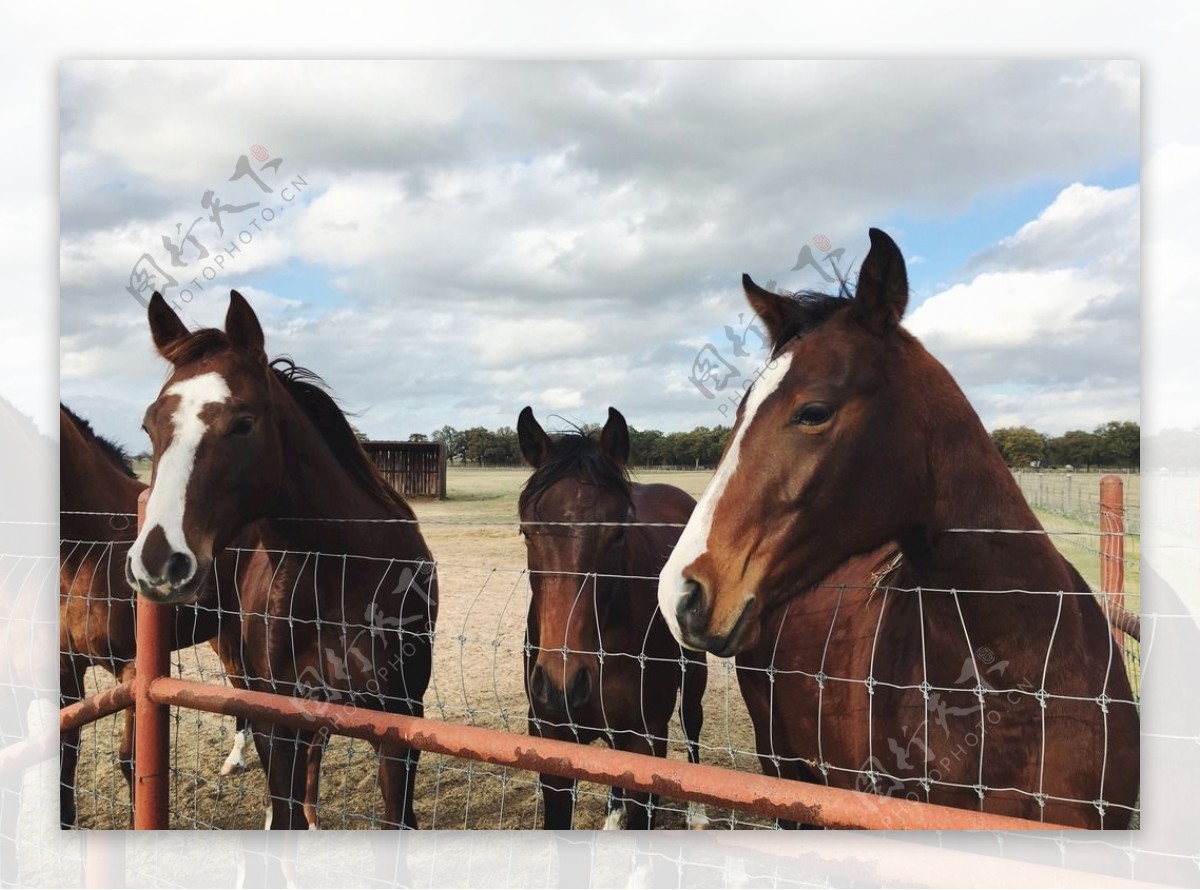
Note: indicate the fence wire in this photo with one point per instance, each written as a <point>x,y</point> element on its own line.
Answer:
<point>479,648</point>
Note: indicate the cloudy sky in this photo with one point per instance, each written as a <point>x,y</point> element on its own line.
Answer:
<point>446,243</point>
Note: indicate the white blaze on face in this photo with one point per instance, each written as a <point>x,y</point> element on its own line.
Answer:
<point>693,543</point>
<point>168,498</point>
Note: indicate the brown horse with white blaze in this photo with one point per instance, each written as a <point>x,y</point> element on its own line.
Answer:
<point>340,583</point>
<point>98,503</point>
<point>977,669</point>
<point>600,662</point>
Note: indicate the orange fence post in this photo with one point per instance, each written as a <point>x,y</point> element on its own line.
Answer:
<point>1112,546</point>
<point>152,787</point>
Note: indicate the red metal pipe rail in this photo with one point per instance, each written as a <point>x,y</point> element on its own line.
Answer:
<point>1112,548</point>
<point>152,736</point>
<point>762,795</point>
<point>92,708</point>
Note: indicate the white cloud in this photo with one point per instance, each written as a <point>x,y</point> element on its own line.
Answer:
<point>1055,316</point>
<point>476,237</point>
<point>1003,310</point>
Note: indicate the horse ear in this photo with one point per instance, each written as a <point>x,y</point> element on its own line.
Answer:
<point>882,292</point>
<point>770,307</point>
<point>535,444</point>
<point>614,438</point>
<point>242,327</point>
<point>165,326</point>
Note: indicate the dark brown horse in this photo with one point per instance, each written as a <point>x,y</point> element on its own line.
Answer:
<point>976,671</point>
<point>339,597</point>
<point>600,662</point>
<point>98,500</point>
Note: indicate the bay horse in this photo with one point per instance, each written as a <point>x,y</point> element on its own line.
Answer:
<point>600,662</point>
<point>338,594</point>
<point>975,668</point>
<point>98,503</point>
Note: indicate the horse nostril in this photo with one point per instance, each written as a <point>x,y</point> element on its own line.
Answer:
<point>179,568</point>
<point>580,689</point>
<point>537,684</point>
<point>691,609</point>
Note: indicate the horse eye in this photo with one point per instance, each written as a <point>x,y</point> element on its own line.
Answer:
<point>243,426</point>
<point>813,414</point>
<point>620,535</point>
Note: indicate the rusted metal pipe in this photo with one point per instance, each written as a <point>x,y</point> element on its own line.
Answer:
<point>1112,549</point>
<point>94,707</point>
<point>678,779</point>
<point>1122,620</point>
<point>152,734</point>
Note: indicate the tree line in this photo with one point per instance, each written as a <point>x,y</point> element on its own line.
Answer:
<point>1116,444</point>
<point>700,447</point>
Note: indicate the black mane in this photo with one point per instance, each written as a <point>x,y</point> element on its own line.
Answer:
<point>196,345</point>
<point>115,454</point>
<point>308,389</point>
<point>808,311</point>
<point>572,455</point>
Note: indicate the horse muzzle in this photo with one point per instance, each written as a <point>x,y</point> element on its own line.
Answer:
<point>695,614</point>
<point>180,580</point>
<point>552,702</point>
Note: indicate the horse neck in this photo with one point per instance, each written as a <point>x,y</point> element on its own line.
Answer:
<point>972,488</point>
<point>316,486</point>
<point>630,607</point>
<point>88,483</point>
<point>646,552</point>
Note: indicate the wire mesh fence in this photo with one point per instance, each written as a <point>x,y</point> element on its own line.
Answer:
<point>480,648</point>
<point>476,680</point>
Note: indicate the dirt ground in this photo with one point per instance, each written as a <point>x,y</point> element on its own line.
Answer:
<point>476,680</point>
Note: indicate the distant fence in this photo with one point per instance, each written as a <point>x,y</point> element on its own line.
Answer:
<point>412,468</point>
<point>1076,494</point>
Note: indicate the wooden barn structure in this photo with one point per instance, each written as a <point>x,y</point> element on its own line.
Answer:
<point>412,468</point>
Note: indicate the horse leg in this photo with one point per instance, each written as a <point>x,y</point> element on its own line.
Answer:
<point>284,755</point>
<point>312,778</point>
<point>636,810</point>
<point>227,646</point>
<point>235,762</point>
<point>70,690</point>
<point>691,717</point>
<point>397,775</point>
<point>125,754</point>
<point>558,801</point>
